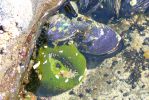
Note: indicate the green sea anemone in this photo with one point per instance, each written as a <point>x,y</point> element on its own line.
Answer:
<point>60,68</point>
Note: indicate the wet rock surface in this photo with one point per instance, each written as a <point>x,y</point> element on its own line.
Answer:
<point>123,76</point>
<point>19,21</point>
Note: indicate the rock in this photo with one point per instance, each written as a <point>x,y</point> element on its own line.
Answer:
<point>122,76</point>
<point>19,22</point>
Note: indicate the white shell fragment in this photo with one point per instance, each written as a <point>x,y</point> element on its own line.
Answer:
<point>42,53</point>
<point>76,54</point>
<point>57,76</point>
<point>36,65</point>
<point>61,51</point>
<point>40,76</point>
<point>71,42</point>
<point>45,46</point>
<point>66,80</point>
<point>45,62</point>
<point>133,2</point>
<point>80,78</point>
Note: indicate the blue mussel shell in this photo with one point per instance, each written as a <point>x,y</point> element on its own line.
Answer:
<point>104,10</point>
<point>99,41</point>
<point>89,36</point>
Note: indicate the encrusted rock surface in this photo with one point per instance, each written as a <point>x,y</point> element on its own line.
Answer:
<point>124,76</point>
<point>19,21</point>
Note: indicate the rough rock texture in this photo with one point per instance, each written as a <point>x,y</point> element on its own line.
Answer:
<point>19,21</point>
<point>124,76</point>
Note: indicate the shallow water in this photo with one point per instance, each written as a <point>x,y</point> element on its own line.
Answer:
<point>122,74</point>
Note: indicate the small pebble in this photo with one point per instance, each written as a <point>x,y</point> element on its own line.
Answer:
<point>109,82</point>
<point>144,68</point>
<point>143,86</point>
<point>141,33</point>
<point>88,90</point>
<point>114,63</point>
<point>1,51</point>
<point>146,54</point>
<point>1,28</point>
<point>133,86</point>
<point>106,75</point>
<point>71,92</point>
<point>94,99</point>
<point>79,19</point>
<point>121,91</point>
<point>140,29</point>
<point>125,94</point>
<point>118,72</point>
<point>146,41</point>
<point>58,65</point>
<point>20,64</point>
<point>80,95</point>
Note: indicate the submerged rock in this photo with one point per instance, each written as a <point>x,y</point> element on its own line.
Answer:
<point>19,22</point>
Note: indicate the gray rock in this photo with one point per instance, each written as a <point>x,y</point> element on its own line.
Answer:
<point>19,22</point>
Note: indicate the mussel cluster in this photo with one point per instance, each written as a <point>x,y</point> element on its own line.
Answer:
<point>104,10</point>
<point>61,64</point>
<point>88,35</point>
